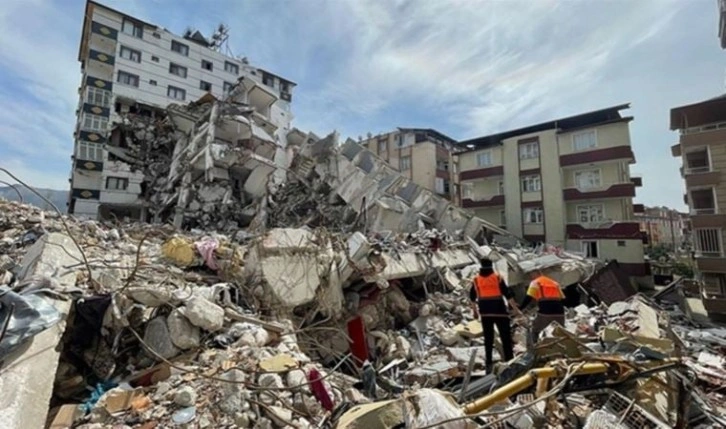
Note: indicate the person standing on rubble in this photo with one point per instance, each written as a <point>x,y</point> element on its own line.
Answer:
<point>549,297</point>
<point>487,296</point>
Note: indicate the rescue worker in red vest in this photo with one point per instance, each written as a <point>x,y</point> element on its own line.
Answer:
<point>549,297</point>
<point>487,296</point>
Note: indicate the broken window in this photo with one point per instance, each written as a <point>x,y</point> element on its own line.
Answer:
<point>533,215</point>
<point>590,213</point>
<point>130,54</point>
<point>132,28</point>
<point>529,150</point>
<point>176,93</point>
<point>177,70</point>
<point>205,86</point>
<point>228,87</point>
<point>531,183</point>
<point>484,159</point>
<point>590,249</point>
<point>231,67</point>
<point>98,96</point>
<point>587,179</point>
<point>117,183</point>
<point>89,151</point>
<point>404,163</point>
<point>180,48</point>
<point>708,242</point>
<point>585,140</point>
<point>703,201</point>
<point>207,65</point>
<point>94,123</point>
<point>127,79</point>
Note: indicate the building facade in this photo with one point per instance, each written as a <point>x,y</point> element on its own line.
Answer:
<point>566,182</point>
<point>423,155</point>
<point>702,150</point>
<point>664,227</point>
<point>132,67</point>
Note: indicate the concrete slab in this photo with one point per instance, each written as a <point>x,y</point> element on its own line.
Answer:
<point>26,381</point>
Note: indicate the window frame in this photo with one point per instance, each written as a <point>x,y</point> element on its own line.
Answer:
<point>231,67</point>
<point>201,85</point>
<point>123,181</point>
<point>131,56</point>
<point>598,172</point>
<point>384,147</point>
<point>130,75</point>
<point>211,65</point>
<point>589,208</point>
<point>227,87</point>
<point>500,187</point>
<point>534,179</point>
<point>401,163</point>
<point>92,99</point>
<point>584,243</point>
<point>467,190</point>
<point>137,29</point>
<point>581,133</point>
<point>178,67</point>
<point>529,154</point>
<point>101,123</point>
<point>183,48</point>
<point>176,89</point>
<point>488,154</point>
<point>538,215</point>
<point>84,149</point>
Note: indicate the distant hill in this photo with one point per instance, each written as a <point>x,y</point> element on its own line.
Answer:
<point>59,198</point>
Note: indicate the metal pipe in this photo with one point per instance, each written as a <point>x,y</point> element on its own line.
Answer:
<point>526,381</point>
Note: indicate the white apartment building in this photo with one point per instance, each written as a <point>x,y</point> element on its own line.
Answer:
<point>132,67</point>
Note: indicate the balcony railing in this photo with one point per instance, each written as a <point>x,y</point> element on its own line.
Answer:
<point>697,170</point>
<point>704,211</point>
<point>704,128</point>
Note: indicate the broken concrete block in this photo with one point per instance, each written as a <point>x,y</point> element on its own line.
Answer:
<point>448,337</point>
<point>472,329</point>
<point>185,396</point>
<point>280,416</point>
<point>296,379</point>
<point>158,339</point>
<point>204,314</point>
<point>183,333</point>
<point>232,400</point>
<point>149,296</point>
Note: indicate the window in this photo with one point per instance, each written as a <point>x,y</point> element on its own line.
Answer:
<point>205,86</point>
<point>177,70</point>
<point>154,58</point>
<point>130,54</point>
<point>447,187</point>
<point>382,146</point>
<point>268,80</point>
<point>500,187</point>
<point>483,159</point>
<point>152,82</point>
<point>714,284</point>
<point>176,93</point>
<point>89,151</point>
<point>590,249</point>
<point>207,65</point>
<point>128,79</point>
<point>228,87</point>
<point>94,122</point>
<point>404,163</point>
<point>156,35</point>
<point>708,242</point>
<point>529,150</point>
<point>231,67</point>
<point>502,218</point>
<point>180,48</point>
<point>621,243</point>
<point>703,201</point>
<point>531,184</point>
<point>697,161</point>
<point>533,215</point>
<point>467,190</point>
<point>584,141</point>
<point>439,185</point>
<point>131,28</point>
<point>98,96</point>
<point>117,183</point>
<point>590,213</point>
<point>587,179</point>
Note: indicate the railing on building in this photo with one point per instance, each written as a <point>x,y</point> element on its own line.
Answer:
<point>708,242</point>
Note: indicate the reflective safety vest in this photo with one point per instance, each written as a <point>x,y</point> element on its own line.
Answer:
<point>548,290</point>
<point>487,287</point>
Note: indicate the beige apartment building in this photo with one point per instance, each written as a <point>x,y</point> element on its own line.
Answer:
<point>421,154</point>
<point>566,182</point>
<point>664,227</point>
<point>702,149</point>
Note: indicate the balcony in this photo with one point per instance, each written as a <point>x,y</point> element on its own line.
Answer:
<point>493,201</point>
<point>482,172</point>
<point>599,155</point>
<point>676,150</point>
<point>618,190</point>
<point>709,244</point>
<point>637,181</point>
<point>614,231</point>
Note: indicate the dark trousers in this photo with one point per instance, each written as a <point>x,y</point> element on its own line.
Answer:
<point>505,334</point>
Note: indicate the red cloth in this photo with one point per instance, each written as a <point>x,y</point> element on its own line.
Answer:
<point>319,390</point>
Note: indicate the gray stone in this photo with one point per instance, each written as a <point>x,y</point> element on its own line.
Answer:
<point>231,402</point>
<point>242,420</point>
<point>162,388</point>
<point>185,396</point>
<point>279,415</point>
<point>183,334</point>
<point>205,314</point>
<point>149,296</point>
<point>157,338</point>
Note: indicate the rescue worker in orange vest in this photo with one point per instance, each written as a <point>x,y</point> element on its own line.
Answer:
<point>487,296</point>
<point>549,297</point>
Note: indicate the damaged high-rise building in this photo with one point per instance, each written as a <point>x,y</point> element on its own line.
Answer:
<point>133,74</point>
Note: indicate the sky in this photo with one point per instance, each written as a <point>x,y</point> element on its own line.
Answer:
<point>466,68</point>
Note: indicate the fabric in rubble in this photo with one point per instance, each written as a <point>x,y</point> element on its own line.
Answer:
<point>23,315</point>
